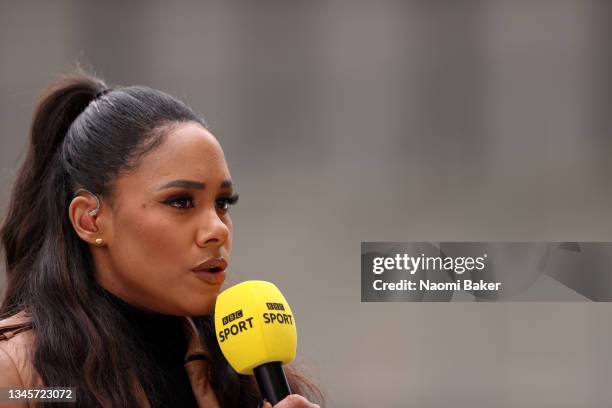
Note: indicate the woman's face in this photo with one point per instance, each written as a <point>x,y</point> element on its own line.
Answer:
<point>168,217</point>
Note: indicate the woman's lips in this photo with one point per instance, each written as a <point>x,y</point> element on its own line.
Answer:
<point>211,277</point>
<point>212,270</point>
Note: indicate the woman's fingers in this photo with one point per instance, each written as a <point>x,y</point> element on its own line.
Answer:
<point>292,401</point>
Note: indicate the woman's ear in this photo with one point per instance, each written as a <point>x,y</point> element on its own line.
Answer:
<point>87,219</point>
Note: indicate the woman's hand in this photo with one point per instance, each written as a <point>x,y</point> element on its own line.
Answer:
<point>292,401</point>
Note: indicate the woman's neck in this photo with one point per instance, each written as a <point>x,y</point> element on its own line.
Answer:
<point>149,326</point>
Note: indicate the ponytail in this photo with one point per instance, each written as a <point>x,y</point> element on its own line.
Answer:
<point>22,230</point>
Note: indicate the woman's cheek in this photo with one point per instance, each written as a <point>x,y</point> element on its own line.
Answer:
<point>158,233</point>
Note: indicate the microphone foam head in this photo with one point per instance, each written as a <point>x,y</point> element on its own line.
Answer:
<point>254,325</point>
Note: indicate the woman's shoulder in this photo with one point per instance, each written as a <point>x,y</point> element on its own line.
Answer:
<point>16,344</point>
<point>15,331</point>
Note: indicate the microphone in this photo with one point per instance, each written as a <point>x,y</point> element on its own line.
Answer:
<point>257,335</point>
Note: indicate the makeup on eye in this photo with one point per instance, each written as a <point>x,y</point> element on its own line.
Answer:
<point>180,202</point>
<point>224,203</point>
<point>184,201</point>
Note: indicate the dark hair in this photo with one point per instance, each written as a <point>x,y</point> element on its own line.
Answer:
<point>83,135</point>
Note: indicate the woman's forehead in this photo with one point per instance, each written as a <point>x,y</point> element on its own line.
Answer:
<point>188,151</point>
<point>189,140</point>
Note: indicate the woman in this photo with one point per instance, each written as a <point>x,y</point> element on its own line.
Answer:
<point>116,240</point>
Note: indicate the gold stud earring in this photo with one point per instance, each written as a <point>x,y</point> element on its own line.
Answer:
<point>99,241</point>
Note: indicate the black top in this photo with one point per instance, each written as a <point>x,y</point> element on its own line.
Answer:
<point>163,343</point>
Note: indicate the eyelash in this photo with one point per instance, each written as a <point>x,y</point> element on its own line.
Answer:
<point>225,202</point>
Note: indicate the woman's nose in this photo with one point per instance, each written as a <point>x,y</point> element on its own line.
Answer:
<point>212,230</point>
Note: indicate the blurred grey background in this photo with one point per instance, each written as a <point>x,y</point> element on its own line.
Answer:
<point>376,121</point>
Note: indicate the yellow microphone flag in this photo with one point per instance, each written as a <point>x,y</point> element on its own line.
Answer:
<point>254,325</point>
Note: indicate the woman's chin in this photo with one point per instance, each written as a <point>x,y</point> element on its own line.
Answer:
<point>200,307</point>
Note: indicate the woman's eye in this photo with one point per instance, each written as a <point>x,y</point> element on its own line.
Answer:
<point>186,202</point>
<point>182,203</point>
<point>223,204</point>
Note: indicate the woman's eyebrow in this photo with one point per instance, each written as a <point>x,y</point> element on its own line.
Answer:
<point>194,185</point>
<point>190,184</point>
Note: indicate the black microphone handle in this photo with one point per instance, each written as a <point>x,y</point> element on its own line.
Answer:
<point>272,381</point>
